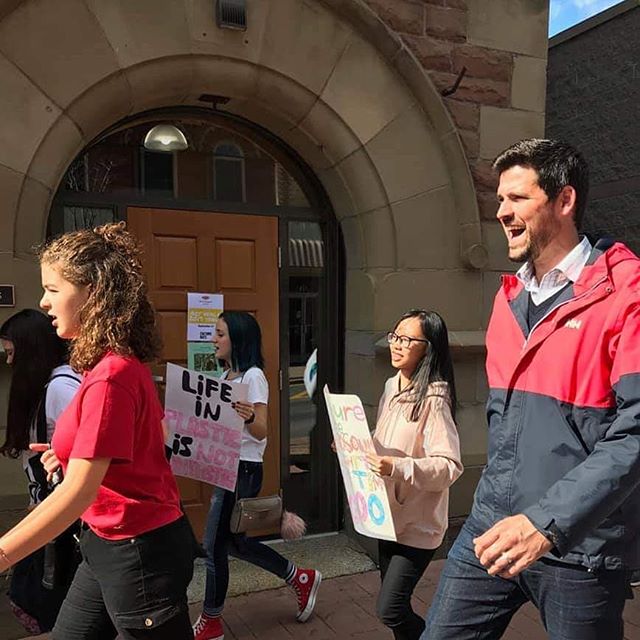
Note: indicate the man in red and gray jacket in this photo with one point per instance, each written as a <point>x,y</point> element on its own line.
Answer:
<point>556,516</point>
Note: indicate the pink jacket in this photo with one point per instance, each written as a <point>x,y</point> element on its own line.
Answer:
<point>426,462</point>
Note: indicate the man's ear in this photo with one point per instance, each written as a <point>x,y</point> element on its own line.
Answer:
<point>566,201</point>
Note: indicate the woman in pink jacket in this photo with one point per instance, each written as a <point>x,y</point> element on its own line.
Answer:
<point>419,459</point>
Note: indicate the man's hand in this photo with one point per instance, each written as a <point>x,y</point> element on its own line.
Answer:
<point>510,546</point>
<point>380,465</point>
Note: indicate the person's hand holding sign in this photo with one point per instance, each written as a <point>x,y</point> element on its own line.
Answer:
<point>245,410</point>
<point>254,416</point>
<point>380,465</point>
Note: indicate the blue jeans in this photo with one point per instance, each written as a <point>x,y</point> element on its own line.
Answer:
<point>219,542</point>
<point>574,604</point>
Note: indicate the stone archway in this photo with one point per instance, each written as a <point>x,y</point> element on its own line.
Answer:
<point>327,77</point>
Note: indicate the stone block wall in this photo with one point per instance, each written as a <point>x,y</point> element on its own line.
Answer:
<point>503,45</point>
<point>592,102</point>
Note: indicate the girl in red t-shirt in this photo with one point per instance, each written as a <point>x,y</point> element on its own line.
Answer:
<point>137,552</point>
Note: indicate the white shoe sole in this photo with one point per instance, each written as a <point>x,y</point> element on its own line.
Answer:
<point>311,603</point>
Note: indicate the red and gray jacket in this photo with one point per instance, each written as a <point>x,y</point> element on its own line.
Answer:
<point>564,413</point>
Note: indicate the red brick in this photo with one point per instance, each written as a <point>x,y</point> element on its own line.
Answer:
<point>446,23</point>
<point>483,175</point>
<point>479,90</point>
<point>466,115</point>
<point>430,52</point>
<point>482,62</point>
<point>456,4</point>
<point>631,631</point>
<point>403,16</point>
<point>487,204</point>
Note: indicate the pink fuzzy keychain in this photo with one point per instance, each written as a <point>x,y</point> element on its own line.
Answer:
<point>292,526</point>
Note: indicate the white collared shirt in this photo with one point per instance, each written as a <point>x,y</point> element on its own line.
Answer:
<point>568,269</point>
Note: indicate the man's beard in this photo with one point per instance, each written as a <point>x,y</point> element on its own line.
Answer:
<point>538,239</point>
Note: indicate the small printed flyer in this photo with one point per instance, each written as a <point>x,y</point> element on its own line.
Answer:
<point>201,356</point>
<point>203,310</point>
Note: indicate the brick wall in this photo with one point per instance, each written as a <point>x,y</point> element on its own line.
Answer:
<point>593,98</point>
<point>437,31</point>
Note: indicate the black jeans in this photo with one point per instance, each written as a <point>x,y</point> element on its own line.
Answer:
<point>401,567</point>
<point>220,543</point>
<point>135,587</point>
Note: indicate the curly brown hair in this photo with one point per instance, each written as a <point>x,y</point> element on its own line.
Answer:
<point>118,315</point>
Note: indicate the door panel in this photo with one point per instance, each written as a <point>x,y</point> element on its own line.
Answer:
<point>232,254</point>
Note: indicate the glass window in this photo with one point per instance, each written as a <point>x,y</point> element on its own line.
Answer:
<point>76,218</point>
<point>157,172</point>
<point>305,281</point>
<point>220,164</point>
<point>228,173</point>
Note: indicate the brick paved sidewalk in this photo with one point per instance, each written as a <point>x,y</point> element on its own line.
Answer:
<point>346,610</point>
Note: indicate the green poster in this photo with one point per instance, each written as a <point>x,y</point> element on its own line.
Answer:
<point>201,356</point>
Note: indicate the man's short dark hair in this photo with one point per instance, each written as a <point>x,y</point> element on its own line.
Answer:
<point>557,164</point>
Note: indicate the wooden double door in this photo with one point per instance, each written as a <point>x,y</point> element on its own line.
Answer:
<point>232,254</point>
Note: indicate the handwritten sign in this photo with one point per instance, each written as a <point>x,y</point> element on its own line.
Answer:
<point>205,431</point>
<point>366,492</point>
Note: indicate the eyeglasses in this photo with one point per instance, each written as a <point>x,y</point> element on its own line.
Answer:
<point>403,341</point>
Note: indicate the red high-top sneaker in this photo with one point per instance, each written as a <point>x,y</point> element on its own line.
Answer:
<point>305,583</point>
<point>207,628</point>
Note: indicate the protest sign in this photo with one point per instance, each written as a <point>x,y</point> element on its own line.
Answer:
<point>204,430</point>
<point>366,492</point>
<point>203,310</point>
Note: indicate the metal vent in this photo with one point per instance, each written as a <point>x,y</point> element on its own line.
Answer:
<point>232,14</point>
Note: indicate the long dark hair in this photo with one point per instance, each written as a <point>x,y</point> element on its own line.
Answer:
<point>435,366</point>
<point>246,340</point>
<point>37,352</point>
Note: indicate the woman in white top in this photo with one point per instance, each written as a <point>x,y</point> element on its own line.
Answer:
<point>42,385</point>
<point>238,341</point>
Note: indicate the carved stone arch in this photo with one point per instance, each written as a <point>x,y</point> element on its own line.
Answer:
<point>327,77</point>
<point>397,54</point>
<point>355,163</point>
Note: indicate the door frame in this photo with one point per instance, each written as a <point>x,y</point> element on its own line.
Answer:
<point>331,350</point>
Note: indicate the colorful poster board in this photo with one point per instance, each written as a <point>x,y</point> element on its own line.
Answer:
<point>365,490</point>
<point>203,310</point>
<point>204,430</point>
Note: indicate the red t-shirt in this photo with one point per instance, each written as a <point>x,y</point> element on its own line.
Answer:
<point>117,414</point>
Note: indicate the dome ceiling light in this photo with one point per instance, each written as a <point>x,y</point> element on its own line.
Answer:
<point>165,137</point>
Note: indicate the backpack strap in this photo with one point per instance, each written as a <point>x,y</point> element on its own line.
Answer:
<point>41,412</point>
